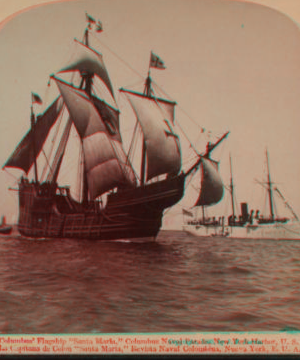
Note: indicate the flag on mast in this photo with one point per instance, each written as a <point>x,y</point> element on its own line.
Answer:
<point>99,26</point>
<point>90,19</point>
<point>156,61</point>
<point>35,99</point>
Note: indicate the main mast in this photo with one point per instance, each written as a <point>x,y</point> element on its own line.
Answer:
<point>269,183</point>
<point>231,189</point>
<point>147,92</point>
<point>160,153</point>
<point>34,154</point>
<point>86,83</point>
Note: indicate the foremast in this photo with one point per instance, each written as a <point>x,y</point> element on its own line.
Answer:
<point>209,148</point>
<point>270,189</point>
<point>32,122</point>
<point>161,153</point>
<point>212,188</point>
<point>164,156</point>
<point>231,187</point>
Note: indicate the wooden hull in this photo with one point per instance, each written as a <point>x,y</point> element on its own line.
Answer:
<point>129,214</point>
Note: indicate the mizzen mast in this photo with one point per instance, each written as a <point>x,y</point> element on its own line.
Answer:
<point>32,123</point>
<point>231,188</point>
<point>270,192</point>
<point>286,203</point>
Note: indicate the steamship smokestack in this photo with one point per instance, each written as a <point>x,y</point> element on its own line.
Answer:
<point>244,210</point>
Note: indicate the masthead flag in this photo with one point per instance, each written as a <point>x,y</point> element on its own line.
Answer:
<point>99,26</point>
<point>35,98</point>
<point>156,62</point>
<point>90,19</point>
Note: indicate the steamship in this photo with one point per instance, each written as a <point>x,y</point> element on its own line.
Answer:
<point>248,225</point>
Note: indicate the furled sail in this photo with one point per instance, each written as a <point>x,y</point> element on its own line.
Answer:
<point>105,160</point>
<point>162,144</point>
<point>90,62</point>
<point>22,157</point>
<point>211,191</point>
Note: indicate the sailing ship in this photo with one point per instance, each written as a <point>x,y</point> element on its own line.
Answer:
<point>117,200</point>
<point>251,225</point>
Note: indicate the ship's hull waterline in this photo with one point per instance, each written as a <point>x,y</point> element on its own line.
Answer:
<point>134,214</point>
<point>277,231</point>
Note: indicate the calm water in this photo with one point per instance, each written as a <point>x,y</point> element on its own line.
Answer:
<point>180,283</point>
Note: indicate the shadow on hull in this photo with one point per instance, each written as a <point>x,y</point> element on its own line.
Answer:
<point>47,211</point>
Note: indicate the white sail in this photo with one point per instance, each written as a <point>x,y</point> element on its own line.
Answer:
<point>167,108</point>
<point>89,61</point>
<point>211,191</point>
<point>162,144</point>
<point>55,167</point>
<point>105,161</point>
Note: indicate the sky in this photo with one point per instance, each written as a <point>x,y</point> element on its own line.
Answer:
<point>230,65</point>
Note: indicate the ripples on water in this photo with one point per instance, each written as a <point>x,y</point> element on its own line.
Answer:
<point>179,283</point>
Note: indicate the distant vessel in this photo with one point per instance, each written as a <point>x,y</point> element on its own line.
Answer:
<point>5,229</point>
<point>117,201</point>
<point>248,225</point>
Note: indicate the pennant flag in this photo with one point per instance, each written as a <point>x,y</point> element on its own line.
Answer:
<point>35,98</point>
<point>156,61</point>
<point>186,212</point>
<point>89,18</point>
<point>99,26</point>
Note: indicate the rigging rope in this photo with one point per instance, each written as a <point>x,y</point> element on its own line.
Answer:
<point>47,161</point>
<point>15,178</point>
<point>166,94</point>
<point>153,82</point>
<point>117,56</point>
<point>52,146</point>
<point>191,145</point>
<point>80,174</point>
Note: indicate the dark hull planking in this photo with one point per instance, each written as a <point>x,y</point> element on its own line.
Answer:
<point>129,214</point>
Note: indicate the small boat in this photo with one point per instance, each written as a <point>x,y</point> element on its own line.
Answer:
<point>5,229</point>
